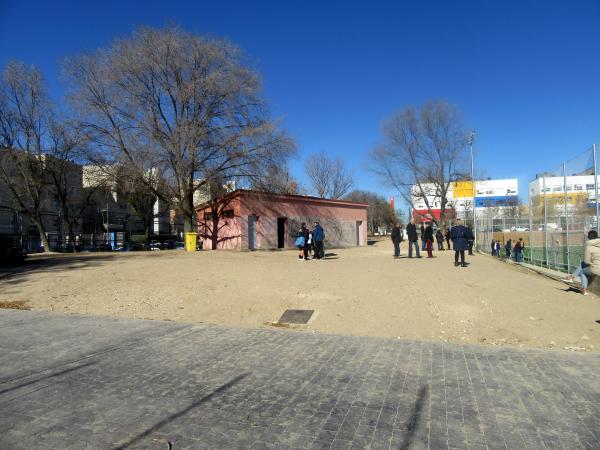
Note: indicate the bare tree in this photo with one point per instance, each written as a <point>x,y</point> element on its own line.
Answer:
<point>379,212</point>
<point>220,210</point>
<point>329,177</point>
<point>138,190</point>
<point>65,146</point>
<point>24,112</point>
<point>178,103</point>
<point>423,153</point>
<point>277,180</point>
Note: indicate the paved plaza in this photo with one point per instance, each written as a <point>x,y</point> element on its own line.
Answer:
<point>89,382</point>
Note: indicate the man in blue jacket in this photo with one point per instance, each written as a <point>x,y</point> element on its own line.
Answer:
<point>459,235</point>
<point>318,236</point>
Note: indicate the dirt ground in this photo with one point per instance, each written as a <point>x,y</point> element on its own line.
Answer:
<point>358,291</point>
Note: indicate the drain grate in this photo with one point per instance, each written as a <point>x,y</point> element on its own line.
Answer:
<point>297,316</point>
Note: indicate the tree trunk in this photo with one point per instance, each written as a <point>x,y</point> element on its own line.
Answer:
<point>42,230</point>
<point>215,230</point>
<point>188,213</point>
<point>69,225</point>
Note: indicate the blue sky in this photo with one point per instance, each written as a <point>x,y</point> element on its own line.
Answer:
<point>525,74</point>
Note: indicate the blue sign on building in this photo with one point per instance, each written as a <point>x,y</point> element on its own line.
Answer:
<point>499,200</point>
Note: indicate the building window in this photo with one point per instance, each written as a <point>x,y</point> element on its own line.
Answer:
<point>569,187</point>
<point>557,189</point>
<point>579,187</point>
<point>228,213</point>
<point>208,216</point>
<point>589,187</point>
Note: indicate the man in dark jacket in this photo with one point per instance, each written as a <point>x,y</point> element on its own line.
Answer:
<point>413,238</point>
<point>318,236</point>
<point>459,235</point>
<point>396,239</point>
<point>470,240</point>
<point>423,241</point>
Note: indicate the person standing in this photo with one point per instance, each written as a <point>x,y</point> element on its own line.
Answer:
<point>429,240</point>
<point>459,235</point>
<point>439,237</point>
<point>470,240</point>
<point>447,236</point>
<point>413,238</point>
<point>318,236</point>
<point>423,241</point>
<point>303,244</point>
<point>508,249</point>
<point>396,239</point>
<point>519,247</point>
<point>493,247</point>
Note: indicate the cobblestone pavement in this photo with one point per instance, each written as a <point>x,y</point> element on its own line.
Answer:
<point>89,382</point>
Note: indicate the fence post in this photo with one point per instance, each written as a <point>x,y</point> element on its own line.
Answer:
<point>596,186</point>
<point>530,232</point>
<point>545,223</point>
<point>566,214</point>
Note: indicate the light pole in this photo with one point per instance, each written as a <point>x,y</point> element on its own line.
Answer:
<point>471,139</point>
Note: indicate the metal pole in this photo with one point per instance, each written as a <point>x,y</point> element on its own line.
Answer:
<point>596,187</point>
<point>530,233</point>
<point>566,214</point>
<point>473,190</point>
<point>545,224</point>
<point>107,222</point>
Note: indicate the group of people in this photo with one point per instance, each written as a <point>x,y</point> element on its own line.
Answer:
<point>461,236</point>
<point>510,250</point>
<point>310,242</point>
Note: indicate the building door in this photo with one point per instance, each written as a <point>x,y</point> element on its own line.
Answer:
<point>252,232</point>
<point>358,224</point>
<point>281,232</point>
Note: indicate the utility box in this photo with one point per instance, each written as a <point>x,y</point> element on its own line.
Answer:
<point>190,242</point>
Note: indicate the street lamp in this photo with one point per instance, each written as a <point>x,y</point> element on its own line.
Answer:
<point>471,139</point>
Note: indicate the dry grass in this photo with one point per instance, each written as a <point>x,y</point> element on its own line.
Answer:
<point>16,304</point>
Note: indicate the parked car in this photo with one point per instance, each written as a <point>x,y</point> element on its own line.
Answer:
<point>179,245</point>
<point>11,249</point>
<point>156,245</point>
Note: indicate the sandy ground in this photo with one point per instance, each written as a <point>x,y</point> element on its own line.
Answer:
<point>358,291</point>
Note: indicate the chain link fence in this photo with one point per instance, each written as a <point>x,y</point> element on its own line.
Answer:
<point>553,224</point>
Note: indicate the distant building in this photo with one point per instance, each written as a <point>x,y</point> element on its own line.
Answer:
<point>503,193</point>
<point>580,190</point>
<point>258,220</point>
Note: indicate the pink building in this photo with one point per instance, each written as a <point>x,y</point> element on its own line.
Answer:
<point>254,220</point>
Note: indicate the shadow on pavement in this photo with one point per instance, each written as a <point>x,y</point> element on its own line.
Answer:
<point>178,414</point>
<point>416,421</point>
<point>56,374</point>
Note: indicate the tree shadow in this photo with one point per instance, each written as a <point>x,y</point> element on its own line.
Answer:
<point>372,242</point>
<point>180,413</point>
<point>416,418</point>
<point>56,374</point>
<point>331,256</point>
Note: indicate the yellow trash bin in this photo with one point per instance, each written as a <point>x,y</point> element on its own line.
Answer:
<point>190,242</point>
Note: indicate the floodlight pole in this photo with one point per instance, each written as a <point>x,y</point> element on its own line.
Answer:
<point>471,139</point>
<point>596,187</point>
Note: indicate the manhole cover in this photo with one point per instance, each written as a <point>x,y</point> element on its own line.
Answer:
<point>296,316</point>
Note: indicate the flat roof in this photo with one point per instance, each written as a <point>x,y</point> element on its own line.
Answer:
<point>292,197</point>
